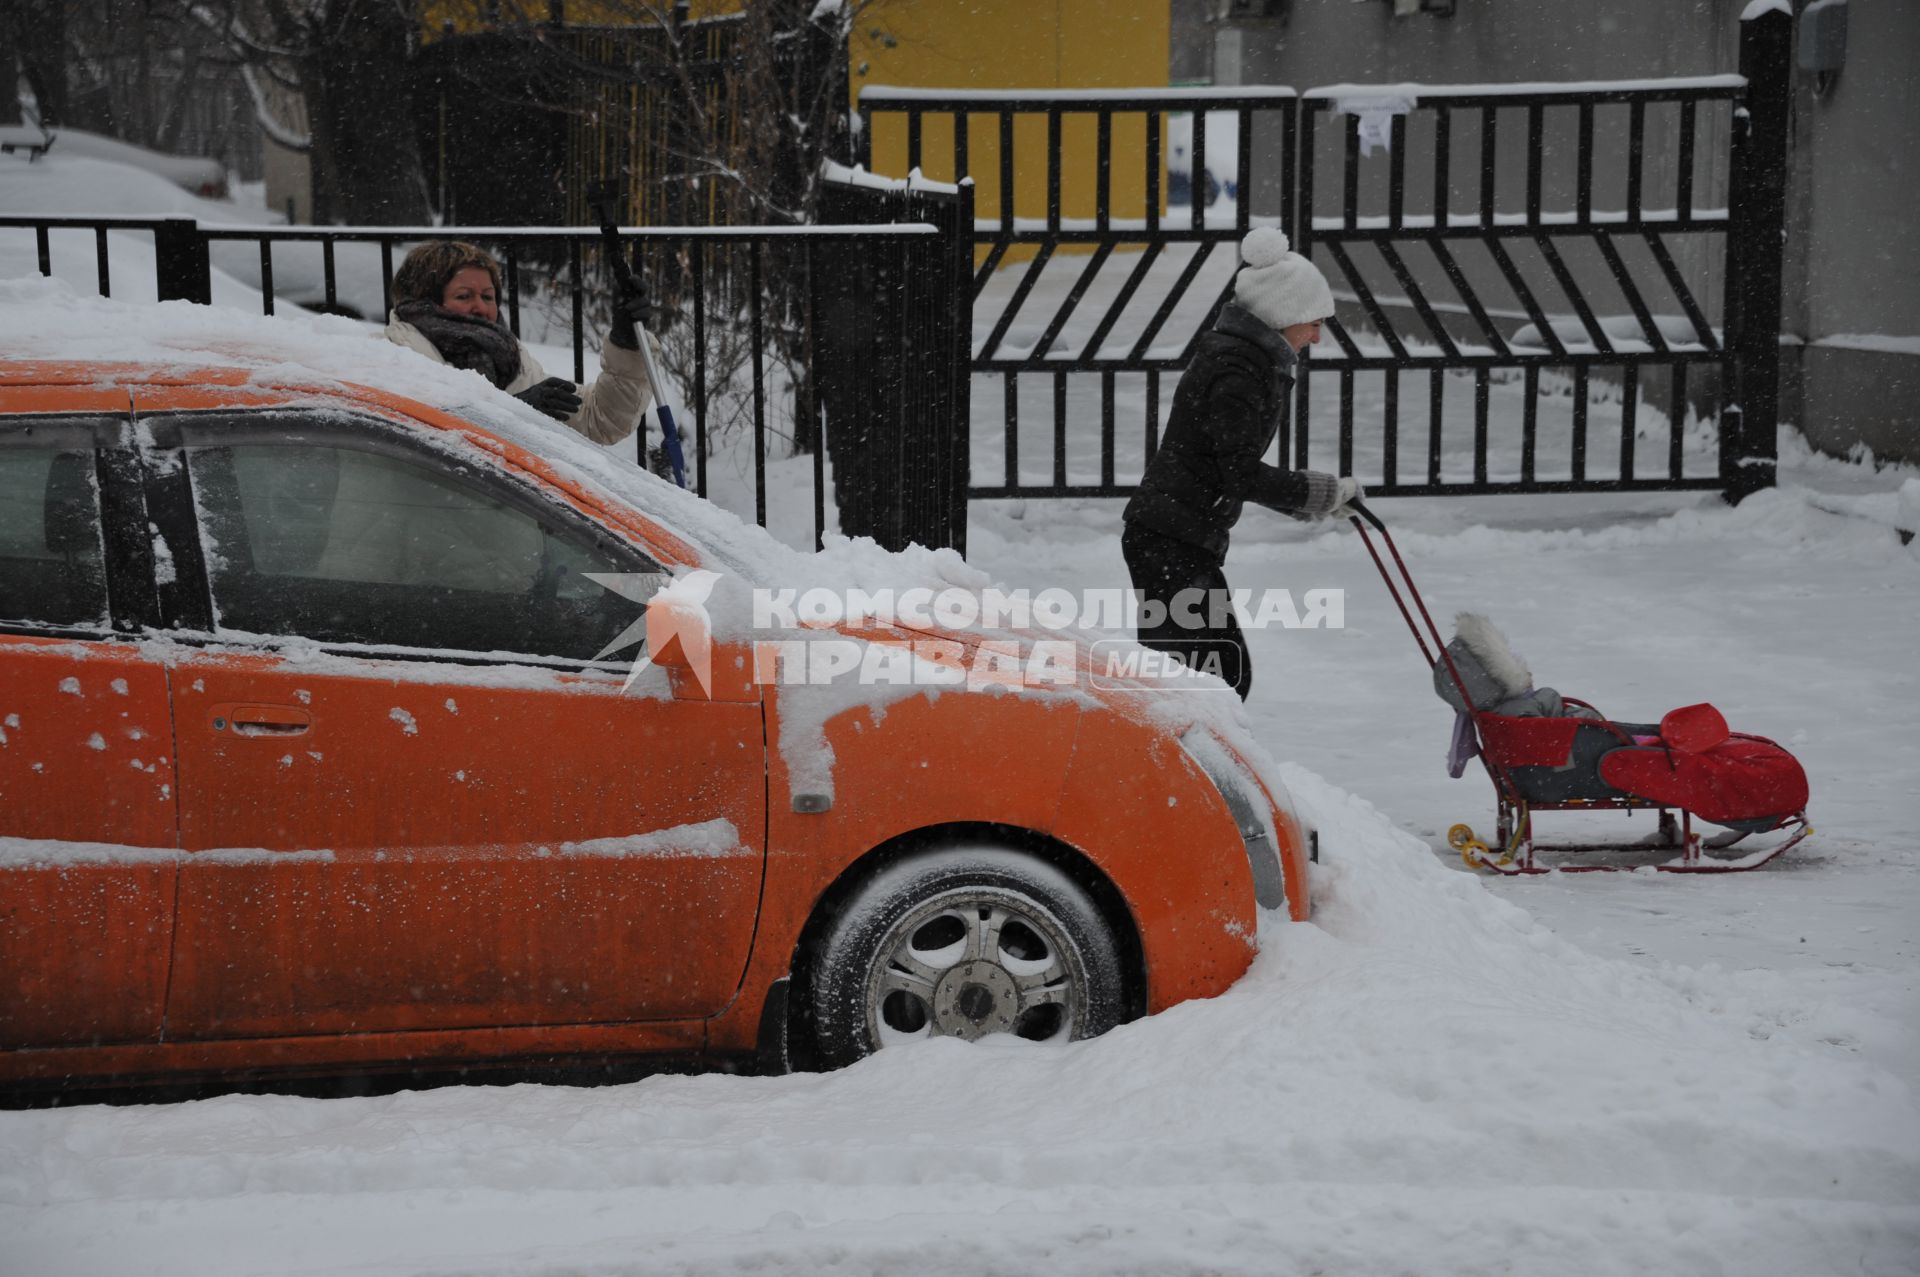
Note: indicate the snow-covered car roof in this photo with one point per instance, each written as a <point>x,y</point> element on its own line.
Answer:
<point>45,319</point>
<point>193,173</point>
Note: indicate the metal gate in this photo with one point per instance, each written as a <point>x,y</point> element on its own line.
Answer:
<point>1127,289</point>
<point>1541,288</point>
<point>1404,253</point>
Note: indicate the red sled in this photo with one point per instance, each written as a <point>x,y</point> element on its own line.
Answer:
<point>1559,754</point>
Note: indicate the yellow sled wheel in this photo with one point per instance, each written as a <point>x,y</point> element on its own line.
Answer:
<point>1477,855</point>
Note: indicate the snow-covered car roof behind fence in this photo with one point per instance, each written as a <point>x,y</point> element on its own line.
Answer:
<point>196,174</point>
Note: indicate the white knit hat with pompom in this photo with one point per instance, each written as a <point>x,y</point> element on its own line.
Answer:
<point>1280,287</point>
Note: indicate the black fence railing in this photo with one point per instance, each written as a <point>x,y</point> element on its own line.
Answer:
<point>1120,278</point>
<point>1550,268</point>
<point>1498,260</point>
<point>743,360</point>
<point>890,482</point>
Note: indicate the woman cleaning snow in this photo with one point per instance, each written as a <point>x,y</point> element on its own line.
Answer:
<point>1226,412</point>
<point>446,306</point>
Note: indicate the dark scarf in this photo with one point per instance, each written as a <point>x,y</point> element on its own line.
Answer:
<point>489,349</point>
<point>1239,321</point>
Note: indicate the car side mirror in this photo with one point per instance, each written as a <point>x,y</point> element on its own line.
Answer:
<point>680,641</point>
<point>678,634</point>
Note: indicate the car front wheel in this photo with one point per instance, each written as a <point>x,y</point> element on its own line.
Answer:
<point>963,943</point>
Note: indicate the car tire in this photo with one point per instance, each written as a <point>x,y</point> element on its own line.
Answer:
<point>964,942</point>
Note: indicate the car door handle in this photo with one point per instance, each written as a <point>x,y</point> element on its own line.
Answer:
<point>262,720</point>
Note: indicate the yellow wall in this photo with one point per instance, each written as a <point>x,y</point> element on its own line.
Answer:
<point>1016,44</point>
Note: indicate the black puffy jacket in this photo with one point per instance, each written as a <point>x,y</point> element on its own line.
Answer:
<point>1226,411</point>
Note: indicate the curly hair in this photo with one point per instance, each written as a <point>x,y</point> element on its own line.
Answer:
<point>424,274</point>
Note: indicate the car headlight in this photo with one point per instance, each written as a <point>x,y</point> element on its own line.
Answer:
<point>1250,812</point>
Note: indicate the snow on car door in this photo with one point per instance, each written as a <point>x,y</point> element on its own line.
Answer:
<point>408,802</point>
<point>87,819</point>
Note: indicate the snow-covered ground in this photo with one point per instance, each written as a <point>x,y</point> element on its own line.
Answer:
<point>1439,1074</point>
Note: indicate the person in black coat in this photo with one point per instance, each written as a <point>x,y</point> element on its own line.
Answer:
<point>1226,412</point>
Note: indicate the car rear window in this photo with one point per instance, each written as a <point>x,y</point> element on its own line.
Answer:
<point>52,567</point>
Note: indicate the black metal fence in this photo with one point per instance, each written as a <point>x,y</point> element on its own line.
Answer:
<point>741,361</point>
<point>897,485</point>
<point>1138,271</point>
<point>1521,246</point>
<point>1552,249</point>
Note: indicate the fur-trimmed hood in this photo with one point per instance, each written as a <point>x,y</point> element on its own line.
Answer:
<point>1491,669</point>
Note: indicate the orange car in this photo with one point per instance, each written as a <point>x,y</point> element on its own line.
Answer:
<point>310,762</point>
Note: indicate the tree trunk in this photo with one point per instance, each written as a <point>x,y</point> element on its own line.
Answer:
<point>9,75</point>
<point>38,31</point>
<point>366,156</point>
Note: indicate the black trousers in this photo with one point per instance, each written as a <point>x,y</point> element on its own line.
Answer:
<point>1162,569</point>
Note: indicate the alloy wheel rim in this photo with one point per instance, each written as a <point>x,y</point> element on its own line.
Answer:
<point>973,962</point>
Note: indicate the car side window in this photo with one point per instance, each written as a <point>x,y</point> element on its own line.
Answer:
<point>329,541</point>
<point>52,561</point>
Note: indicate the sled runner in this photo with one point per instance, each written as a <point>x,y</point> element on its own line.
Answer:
<point>1547,752</point>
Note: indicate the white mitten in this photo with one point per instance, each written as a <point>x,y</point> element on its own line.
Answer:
<point>1350,492</point>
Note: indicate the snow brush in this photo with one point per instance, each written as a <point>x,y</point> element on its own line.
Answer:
<point>600,196</point>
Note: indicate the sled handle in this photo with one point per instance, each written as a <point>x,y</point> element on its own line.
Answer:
<point>1361,512</point>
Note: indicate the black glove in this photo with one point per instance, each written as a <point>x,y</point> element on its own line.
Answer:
<point>556,396</point>
<point>630,313</point>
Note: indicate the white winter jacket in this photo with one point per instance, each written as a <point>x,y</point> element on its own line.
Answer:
<point>611,406</point>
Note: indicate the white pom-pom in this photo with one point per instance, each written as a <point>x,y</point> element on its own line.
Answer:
<point>1264,247</point>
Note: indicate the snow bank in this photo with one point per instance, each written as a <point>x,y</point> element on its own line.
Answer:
<point>1878,343</point>
<point>1786,521</point>
<point>1422,1080</point>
